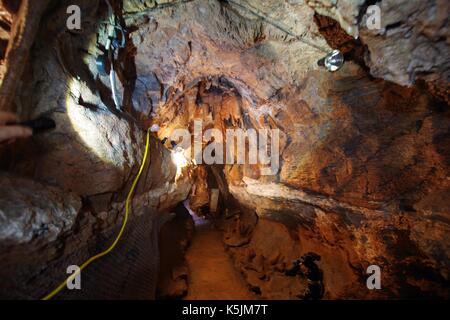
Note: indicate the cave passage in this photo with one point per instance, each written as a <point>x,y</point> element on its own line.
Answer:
<point>296,150</point>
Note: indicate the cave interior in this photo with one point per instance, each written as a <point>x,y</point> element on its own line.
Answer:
<point>236,150</point>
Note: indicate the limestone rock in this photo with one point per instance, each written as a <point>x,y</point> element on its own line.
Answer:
<point>30,210</point>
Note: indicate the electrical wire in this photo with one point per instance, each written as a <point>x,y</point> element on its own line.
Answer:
<point>252,11</point>
<point>277,25</point>
<point>111,34</point>
<point>113,245</point>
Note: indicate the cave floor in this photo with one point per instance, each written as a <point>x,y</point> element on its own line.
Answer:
<point>212,275</point>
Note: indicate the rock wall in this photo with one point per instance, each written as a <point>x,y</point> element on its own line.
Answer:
<point>63,199</point>
<point>411,43</point>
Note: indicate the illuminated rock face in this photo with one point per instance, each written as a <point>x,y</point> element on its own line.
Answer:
<point>362,160</point>
<point>364,163</point>
<point>30,209</point>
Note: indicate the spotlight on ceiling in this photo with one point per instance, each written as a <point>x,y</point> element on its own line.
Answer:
<point>332,61</point>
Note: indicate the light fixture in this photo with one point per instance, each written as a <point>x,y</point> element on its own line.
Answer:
<point>332,61</point>
<point>179,160</point>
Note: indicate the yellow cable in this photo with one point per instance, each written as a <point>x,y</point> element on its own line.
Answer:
<point>125,220</point>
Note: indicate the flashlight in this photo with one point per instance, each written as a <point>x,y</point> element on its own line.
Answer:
<point>39,125</point>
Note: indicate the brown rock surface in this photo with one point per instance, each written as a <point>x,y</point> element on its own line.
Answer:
<point>82,173</point>
<point>212,275</point>
<point>364,162</point>
<point>412,43</point>
<point>358,154</point>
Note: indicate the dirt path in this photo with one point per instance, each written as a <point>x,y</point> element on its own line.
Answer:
<point>211,272</point>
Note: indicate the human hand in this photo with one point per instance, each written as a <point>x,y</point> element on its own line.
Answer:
<point>8,132</point>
